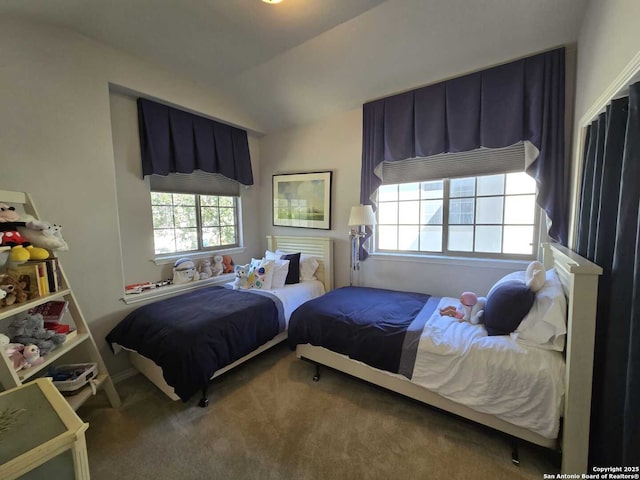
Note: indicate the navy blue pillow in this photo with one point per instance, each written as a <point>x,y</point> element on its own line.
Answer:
<point>506,306</point>
<point>293,276</point>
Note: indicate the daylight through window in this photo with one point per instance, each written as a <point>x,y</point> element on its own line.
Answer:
<point>186,222</point>
<point>492,215</point>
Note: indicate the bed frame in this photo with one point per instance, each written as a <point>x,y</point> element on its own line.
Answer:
<point>579,278</point>
<point>320,247</point>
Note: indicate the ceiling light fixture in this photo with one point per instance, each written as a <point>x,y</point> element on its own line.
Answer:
<point>271,1</point>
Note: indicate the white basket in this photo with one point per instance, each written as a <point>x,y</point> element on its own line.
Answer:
<point>84,372</point>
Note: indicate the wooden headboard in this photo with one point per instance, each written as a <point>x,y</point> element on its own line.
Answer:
<point>319,247</point>
<point>579,277</point>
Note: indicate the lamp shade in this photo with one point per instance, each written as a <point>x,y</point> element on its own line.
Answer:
<point>362,215</point>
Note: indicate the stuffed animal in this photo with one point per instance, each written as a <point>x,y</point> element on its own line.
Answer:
<point>467,302</point>
<point>30,330</point>
<point>21,248</point>
<point>242,274</point>
<point>14,289</point>
<point>31,355</point>
<point>13,351</point>
<point>204,269</point>
<point>44,235</point>
<point>218,267</point>
<point>477,311</point>
<point>228,264</point>
<point>184,271</point>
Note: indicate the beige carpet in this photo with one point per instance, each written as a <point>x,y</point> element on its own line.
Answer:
<point>268,420</point>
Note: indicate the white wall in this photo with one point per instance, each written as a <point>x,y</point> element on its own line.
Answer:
<point>55,142</point>
<point>336,144</point>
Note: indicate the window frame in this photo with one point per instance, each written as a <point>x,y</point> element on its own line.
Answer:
<point>201,250</point>
<point>446,253</point>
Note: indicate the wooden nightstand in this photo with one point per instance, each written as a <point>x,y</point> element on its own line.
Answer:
<point>47,441</point>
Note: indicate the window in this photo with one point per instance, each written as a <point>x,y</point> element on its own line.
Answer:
<point>188,222</point>
<point>492,215</point>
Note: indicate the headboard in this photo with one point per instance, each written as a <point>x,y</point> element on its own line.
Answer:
<point>579,278</point>
<point>319,247</point>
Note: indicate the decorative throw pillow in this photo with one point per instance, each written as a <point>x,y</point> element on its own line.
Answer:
<point>261,276</point>
<point>507,304</point>
<point>280,272</point>
<point>308,266</point>
<point>293,275</point>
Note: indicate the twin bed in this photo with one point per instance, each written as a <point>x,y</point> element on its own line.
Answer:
<point>520,390</point>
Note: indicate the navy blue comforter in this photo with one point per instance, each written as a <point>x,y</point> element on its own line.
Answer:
<point>378,327</point>
<point>192,335</point>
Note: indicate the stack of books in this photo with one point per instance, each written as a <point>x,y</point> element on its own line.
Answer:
<point>42,277</point>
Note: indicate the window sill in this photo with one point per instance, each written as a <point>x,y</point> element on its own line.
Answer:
<point>166,259</point>
<point>458,261</point>
<point>172,289</point>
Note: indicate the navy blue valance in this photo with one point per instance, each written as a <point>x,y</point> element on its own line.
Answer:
<point>519,101</point>
<point>175,141</point>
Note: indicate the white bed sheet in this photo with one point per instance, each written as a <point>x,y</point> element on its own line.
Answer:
<point>520,384</point>
<point>294,295</point>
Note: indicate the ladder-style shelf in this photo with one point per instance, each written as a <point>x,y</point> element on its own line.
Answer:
<point>81,342</point>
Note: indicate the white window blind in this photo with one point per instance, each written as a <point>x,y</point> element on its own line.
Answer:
<point>198,182</point>
<point>483,161</point>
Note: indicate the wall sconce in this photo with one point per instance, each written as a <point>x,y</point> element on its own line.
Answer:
<point>361,215</point>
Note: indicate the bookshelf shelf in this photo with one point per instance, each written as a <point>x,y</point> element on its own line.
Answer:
<point>67,346</point>
<point>82,343</point>
<point>6,312</point>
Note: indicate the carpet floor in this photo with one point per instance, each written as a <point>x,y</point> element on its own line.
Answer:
<point>268,420</point>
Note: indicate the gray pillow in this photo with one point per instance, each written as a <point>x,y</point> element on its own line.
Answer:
<point>507,304</point>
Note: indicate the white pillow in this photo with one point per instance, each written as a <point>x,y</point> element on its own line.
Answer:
<point>308,265</point>
<point>269,255</point>
<point>280,273</point>
<point>545,324</point>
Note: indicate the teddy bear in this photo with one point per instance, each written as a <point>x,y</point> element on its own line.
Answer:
<point>242,273</point>
<point>30,330</point>
<point>13,288</point>
<point>227,262</point>
<point>204,269</point>
<point>218,267</point>
<point>13,352</point>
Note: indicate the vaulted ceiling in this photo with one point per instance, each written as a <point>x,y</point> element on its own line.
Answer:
<point>301,60</point>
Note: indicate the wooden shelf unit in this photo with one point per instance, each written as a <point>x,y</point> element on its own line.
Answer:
<point>9,378</point>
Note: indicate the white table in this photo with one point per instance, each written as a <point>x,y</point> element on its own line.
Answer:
<point>48,439</point>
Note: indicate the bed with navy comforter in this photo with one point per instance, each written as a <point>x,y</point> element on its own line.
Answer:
<point>403,334</point>
<point>379,327</point>
<point>193,335</point>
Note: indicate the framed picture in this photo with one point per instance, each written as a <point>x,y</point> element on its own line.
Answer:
<point>302,200</point>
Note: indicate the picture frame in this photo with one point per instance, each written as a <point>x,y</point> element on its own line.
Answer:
<point>302,200</point>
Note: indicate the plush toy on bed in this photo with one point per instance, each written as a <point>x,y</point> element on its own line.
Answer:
<point>471,308</point>
<point>242,274</point>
